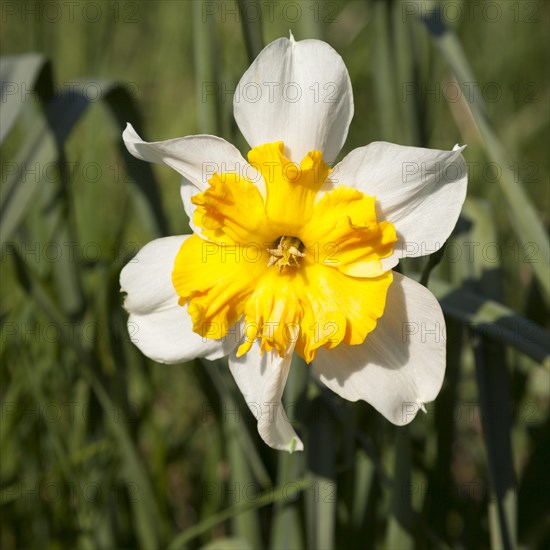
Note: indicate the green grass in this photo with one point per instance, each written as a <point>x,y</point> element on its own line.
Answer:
<point>102,448</point>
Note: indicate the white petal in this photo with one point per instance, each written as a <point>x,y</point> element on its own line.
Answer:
<point>401,364</point>
<point>157,325</point>
<point>147,278</point>
<point>195,157</point>
<point>262,380</point>
<point>420,191</point>
<point>166,336</point>
<point>299,93</point>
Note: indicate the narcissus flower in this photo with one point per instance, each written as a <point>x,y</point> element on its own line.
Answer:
<point>289,255</point>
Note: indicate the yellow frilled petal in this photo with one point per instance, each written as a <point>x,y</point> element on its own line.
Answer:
<point>313,306</point>
<point>290,189</point>
<point>216,280</point>
<point>273,312</point>
<point>344,233</point>
<point>232,210</point>
<point>342,309</point>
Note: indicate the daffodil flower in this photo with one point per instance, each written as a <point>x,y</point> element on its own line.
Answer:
<point>289,255</point>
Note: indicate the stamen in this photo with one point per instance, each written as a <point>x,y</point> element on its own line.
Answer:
<point>287,252</point>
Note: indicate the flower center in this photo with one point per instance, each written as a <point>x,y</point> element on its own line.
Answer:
<point>286,252</point>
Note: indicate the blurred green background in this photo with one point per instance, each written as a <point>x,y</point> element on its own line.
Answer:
<point>101,448</point>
